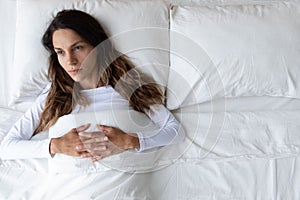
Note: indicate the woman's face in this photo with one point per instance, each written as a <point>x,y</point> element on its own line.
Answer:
<point>76,57</point>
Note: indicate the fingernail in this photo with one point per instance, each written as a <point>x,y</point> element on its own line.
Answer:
<point>105,138</point>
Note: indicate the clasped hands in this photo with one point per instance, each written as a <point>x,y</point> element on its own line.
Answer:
<point>96,145</point>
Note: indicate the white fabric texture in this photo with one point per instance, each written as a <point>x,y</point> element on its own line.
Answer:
<point>17,143</point>
<point>221,2</point>
<point>238,147</point>
<point>7,39</point>
<point>233,51</point>
<point>255,147</point>
<point>7,118</point>
<point>138,29</point>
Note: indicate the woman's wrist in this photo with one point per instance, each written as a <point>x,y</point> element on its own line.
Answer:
<point>132,141</point>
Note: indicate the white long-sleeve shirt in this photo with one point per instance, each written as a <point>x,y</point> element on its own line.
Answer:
<point>18,144</point>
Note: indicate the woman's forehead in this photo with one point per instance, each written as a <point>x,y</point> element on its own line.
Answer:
<point>66,38</point>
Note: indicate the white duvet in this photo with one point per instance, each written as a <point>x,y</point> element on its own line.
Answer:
<point>232,155</point>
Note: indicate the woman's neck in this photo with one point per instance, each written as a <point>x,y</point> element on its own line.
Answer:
<point>91,85</point>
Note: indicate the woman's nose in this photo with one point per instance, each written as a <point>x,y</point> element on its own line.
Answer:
<point>71,59</point>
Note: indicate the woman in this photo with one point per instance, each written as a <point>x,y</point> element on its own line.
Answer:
<point>85,71</point>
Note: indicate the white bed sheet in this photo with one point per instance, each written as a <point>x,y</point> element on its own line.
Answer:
<point>238,154</point>
<point>241,179</point>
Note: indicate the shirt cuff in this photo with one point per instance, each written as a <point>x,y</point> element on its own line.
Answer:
<point>141,141</point>
<point>48,149</point>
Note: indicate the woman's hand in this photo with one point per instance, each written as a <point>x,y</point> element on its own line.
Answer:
<point>119,138</point>
<point>67,143</point>
<point>108,141</point>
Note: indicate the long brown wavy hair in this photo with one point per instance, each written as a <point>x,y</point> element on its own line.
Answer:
<point>115,70</point>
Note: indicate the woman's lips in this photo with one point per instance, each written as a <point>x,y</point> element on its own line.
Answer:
<point>74,71</point>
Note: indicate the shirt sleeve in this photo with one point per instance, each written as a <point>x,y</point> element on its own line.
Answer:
<point>169,130</point>
<point>18,144</point>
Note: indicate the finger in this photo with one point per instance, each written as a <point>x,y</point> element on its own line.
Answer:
<point>103,155</point>
<point>85,155</point>
<point>96,158</point>
<point>94,147</point>
<point>106,153</point>
<point>82,128</point>
<point>98,151</point>
<point>80,148</point>
<point>91,134</point>
<point>103,128</point>
<point>100,148</point>
<point>86,136</point>
<point>88,140</point>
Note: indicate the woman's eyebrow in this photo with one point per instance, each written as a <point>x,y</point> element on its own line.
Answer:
<point>76,43</point>
<point>57,48</point>
<point>81,41</point>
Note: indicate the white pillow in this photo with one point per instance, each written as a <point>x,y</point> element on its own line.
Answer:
<point>219,2</point>
<point>233,51</point>
<point>7,33</point>
<point>138,29</point>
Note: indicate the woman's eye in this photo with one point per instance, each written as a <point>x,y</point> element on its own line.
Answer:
<point>59,52</point>
<point>78,47</point>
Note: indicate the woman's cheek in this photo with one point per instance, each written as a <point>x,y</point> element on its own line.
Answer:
<point>62,63</point>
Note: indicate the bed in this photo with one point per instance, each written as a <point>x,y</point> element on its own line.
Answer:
<point>230,70</point>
